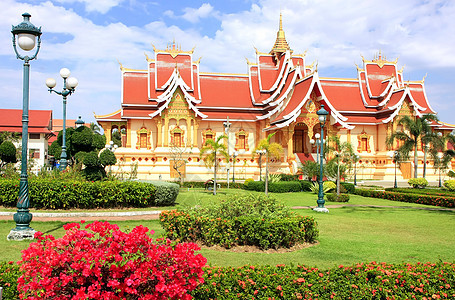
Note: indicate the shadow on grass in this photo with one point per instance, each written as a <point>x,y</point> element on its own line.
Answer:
<point>59,225</point>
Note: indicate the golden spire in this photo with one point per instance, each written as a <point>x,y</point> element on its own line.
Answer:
<point>281,45</point>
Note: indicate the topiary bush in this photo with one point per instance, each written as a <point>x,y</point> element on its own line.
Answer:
<point>348,187</point>
<point>240,220</point>
<point>450,184</point>
<point>103,262</point>
<point>418,182</point>
<point>166,193</point>
<point>333,197</point>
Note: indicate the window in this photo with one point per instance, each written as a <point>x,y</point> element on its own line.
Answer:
<point>34,153</point>
<point>364,142</point>
<point>143,140</point>
<point>177,139</point>
<point>34,136</point>
<point>208,134</point>
<point>241,140</point>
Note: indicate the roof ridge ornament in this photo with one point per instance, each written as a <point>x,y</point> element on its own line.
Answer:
<point>281,45</point>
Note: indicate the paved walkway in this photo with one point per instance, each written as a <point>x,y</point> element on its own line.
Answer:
<point>154,214</point>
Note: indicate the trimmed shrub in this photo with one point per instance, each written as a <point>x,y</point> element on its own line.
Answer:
<point>166,193</point>
<point>67,194</point>
<point>348,187</point>
<point>240,220</point>
<point>359,281</point>
<point>436,200</point>
<point>103,262</point>
<point>450,184</point>
<point>305,185</point>
<point>333,197</point>
<point>258,186</point>
<point>9,274</point>
<point>289,177</point>
<point>418,182</point>
<point>284,187</point>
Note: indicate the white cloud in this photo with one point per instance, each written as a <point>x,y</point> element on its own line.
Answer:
<point>193,15</point>
<point>100,6</point>
<point>335,33</point>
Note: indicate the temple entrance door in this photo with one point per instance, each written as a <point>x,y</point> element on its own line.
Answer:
<point>298,141</point>
<point>300,138</point>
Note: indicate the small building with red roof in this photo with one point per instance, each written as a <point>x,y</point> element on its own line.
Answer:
<point>39,132</point>
<point>172,103</point>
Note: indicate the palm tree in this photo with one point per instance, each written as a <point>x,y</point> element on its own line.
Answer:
<point>271,150</point>
<point>415,129</point>
<point>343,151</point>
<point>211,148</point>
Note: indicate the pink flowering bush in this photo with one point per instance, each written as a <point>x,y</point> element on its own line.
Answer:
<point>103,262</point>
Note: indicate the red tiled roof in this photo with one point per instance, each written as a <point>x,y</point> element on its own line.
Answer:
<point>40,121</point>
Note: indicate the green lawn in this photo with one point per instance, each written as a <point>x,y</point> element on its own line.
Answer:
<point>395,233</point>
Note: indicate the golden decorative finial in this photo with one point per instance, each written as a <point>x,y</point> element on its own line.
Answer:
<point>423,79</point>
<point>154,49</point>
<point>281,45</point>
<point>121,67</point>
<point>402,68</point>
<point>358,68</point>
<point>198,61</point>
<point>147,57</point>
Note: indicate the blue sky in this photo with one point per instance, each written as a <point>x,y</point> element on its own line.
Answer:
<point>90,36</point>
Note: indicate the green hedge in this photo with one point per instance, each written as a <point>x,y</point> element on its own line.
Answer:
<point>9,274</point>
<point>426,191</point>
<point>264,233</point>
<point>240,220</point>
<point>333,197</point>
<point>436,200</point>
<point>201,184</point>
<point>348,187</point>
<point>58,194</point>
<point>359,281</point>
<point>280,186</point>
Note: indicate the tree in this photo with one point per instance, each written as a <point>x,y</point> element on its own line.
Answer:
<point>177,158</point>
<point>211,149</point>
<point>7,153</point>
<point>272,150</point>
<point>415,129</point>
<point>82,139</point>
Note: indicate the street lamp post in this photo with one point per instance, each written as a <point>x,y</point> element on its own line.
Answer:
<point>69,86</point>
<point>356,158</point>
<point>26,34</point>
<point>338,171</point>
<point>395,156</point>
<point>111,147</point>
<point>79,122</point>
<point>260,152</point>
<point>318,145</point>
<point>322,115</point>
<point>227,126</point>
<point>440,155</point>
<point>234,156</point>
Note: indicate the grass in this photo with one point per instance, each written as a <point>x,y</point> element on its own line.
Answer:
<point>395,233</point>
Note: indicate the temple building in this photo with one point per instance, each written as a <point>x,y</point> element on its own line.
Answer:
<point>172,104</point>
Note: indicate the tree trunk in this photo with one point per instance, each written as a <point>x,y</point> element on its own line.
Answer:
<point>267,174</point>
<point>214,178</point>
<point>415,160</point>
<point>424,161</point>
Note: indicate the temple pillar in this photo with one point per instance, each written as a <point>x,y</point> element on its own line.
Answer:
<point>290,141</point>
<point>108,129</point>
<point>195,129</point>
<point>188,131</point>
<point>166,132</point>
<point>159,125</point>
<point>128,133</point>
